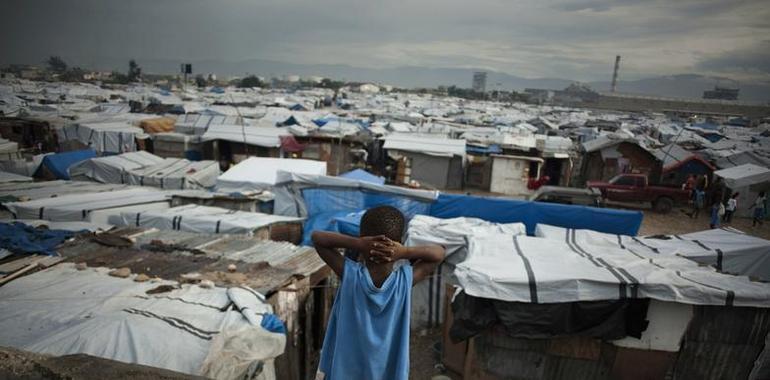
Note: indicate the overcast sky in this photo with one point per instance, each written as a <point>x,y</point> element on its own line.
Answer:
<point>531,38</point>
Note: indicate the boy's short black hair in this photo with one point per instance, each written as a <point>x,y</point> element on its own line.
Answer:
<point>383,220</point>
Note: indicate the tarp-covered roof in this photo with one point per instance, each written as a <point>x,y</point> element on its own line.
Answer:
<point>59,163</point>
<point>426,145</point>
<point>259,173</point>
<point>744,175</point>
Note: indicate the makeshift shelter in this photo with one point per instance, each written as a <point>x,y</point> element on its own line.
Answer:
<point>231,141</point>
<point>157,125</point>
<point>56,166</point>
<point>6,177</point>
<point>321,199</point>
<point>606,157</point>
<point>433,162</point>
<point>196,124</point>
<point>189,329</point>
<point>104,137</point>
<point>261,173</point>
<point>511,174</point>
<point>177,145</point>
<point>27,191</point>
<point>147,169</point>
<point>95,207</point>
<point>214,220</point>
<point>749,180</point>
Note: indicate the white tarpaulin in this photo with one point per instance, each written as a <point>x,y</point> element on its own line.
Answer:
<point>146,169</point>
<point>269,137</point>
<point>542,270</point>
<point>744,175</point>
<point>110,137</point>
<point>63,311</point>
<point>65,226</point>
<point>6,177</point>
<point>430,145</point>
<point>89,207</point>
<point>727,250</point>
<point>51,189</point>
<point>201,219</point>
<point>452,234</point>
<point>260,173</point>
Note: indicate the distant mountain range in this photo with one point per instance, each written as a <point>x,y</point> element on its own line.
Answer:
<point>683,85</point>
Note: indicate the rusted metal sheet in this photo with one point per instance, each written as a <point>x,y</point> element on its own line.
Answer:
<point>737,325</point>
<point>708,360</point>
<point>575,347</point>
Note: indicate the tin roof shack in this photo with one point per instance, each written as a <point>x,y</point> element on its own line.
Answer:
<point>510,174</point>
<point>545,308</point>
<point>234,143</point>
<point>431,161</point>
<point>606,157</point>
<point>341,154</point>
<point>293,279</point>
<point>478,173</point>
<point>556,152</point>
<point>28,133</point>
<point>678,164</point>
<point>749,180</point>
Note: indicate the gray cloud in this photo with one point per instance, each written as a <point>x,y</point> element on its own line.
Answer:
<point>573,39</point>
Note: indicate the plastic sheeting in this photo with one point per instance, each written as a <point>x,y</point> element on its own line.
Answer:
<point>322,199</point>
<point>541,270</point>
<point>201,219</point>
<point>744,175</point>
<point>363,175</point>
<point>58,164</point>
<point>261,173</point>
<point>64,226</point>
<point>6,177</point>
<point>727,250</point>
<point>21,238</point>
<point>190,329</point>
<point>79,207</point>
<point>104,137</point>
<point>502,210</point>
<point>269,137</point>
<point>146,169</point>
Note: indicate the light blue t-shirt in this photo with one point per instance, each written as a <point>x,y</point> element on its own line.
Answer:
<point>368,333</point>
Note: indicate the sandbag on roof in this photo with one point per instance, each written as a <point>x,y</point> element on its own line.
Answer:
<point>201,219</point>
<point>541,270</point>
<point>727,250</point>
<point>146,169</point>
<point>189,329</point>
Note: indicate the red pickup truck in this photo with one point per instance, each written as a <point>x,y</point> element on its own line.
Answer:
<point>633,188</point>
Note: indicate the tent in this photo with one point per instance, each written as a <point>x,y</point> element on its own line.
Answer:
<point>58,164</point>
<point>363,175</point>
<point>104,137</point>
<point>260,173</point>
<point>201,219</point>
<point>269,137</point>
<point>189,329</point>
<point>749,180</point>
<point>727,250</point>
<point>93,207</point>
<point>146,169</point>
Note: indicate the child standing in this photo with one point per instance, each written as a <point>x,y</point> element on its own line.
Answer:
<point>732,205</point>
<point>368,333</point>
<point>759,209</point>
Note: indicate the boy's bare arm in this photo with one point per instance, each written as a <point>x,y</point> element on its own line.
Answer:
<point>327,244</point>
<point>424,258</point>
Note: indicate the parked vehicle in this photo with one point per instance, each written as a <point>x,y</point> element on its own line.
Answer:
<point>634,188</point>
<point>568,195</point>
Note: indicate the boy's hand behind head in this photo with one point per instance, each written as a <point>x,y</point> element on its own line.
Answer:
<point>385,250</point>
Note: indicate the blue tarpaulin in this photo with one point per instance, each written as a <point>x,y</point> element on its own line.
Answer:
<point>21,238</point>
<point>502,210</point>
<point>59,163</point>
<point>491,149</point>
<point>363,175</point>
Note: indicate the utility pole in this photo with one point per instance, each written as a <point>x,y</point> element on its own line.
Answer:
<point>615,74</point>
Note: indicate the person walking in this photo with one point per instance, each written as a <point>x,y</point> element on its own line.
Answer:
<point>732,205</point>
<point>698,196</point>
<point>716,209</point>
<point>759,209</point>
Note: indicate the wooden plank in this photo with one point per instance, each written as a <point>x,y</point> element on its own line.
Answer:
<point>453,354</point>
<point>18,273</point>
<point>13,266</point>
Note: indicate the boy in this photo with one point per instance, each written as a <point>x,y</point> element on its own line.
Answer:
<point>368,333</point>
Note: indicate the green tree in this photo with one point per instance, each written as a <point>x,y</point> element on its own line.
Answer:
<point>134,71</point>
<point>74,74</point>
<point>250,81</point>
<point>56,64</point>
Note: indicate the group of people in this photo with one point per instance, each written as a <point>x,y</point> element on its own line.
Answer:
<point>721,211</point>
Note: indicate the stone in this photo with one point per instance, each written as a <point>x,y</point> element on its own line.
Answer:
<point>206,284</point>
<point>122,272</point>
<point>81,266</point>
<point>232,268</point>
<point>141,277</point>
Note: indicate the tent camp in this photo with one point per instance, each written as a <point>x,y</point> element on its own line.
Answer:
<point>260,173</point>
<point>146,169</point>
<point>204,219</point>
<point>747,179</point>
<point>104,137</point>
